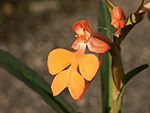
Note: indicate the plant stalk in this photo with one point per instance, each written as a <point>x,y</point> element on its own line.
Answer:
<point>112,72</point>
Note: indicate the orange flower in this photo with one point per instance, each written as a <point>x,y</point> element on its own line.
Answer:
<point>118,19</point>
<point>96,42</point>
<point>73,70</point>
<point>79,67</point>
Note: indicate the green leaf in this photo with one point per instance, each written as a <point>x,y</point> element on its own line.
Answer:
<point>106,82</point>
<point>134,72</point>
<point>22,72</point>
<point>104,20</point>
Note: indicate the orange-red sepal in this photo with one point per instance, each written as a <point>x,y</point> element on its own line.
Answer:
<point>83,24</point>
<point>98,43</point>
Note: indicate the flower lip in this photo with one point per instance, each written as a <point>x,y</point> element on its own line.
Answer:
<point>70,78</point>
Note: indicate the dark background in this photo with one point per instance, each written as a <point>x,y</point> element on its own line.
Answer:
<point>29,29</point>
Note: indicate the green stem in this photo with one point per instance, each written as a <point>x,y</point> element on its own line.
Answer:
<point>116,100</point>
<point>111,95</point>
<point>118,78</point>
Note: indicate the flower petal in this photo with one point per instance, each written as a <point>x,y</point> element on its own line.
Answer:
<point>80,26</point>
<point>60,82</point>
<point>76,45</point>
<point>88,66</point>
<point>58,60</point>
<point>98,46</point>
<point>76,85</point>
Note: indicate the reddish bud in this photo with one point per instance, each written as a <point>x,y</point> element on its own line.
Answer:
<point>117,13</point>
<point>118,19</point>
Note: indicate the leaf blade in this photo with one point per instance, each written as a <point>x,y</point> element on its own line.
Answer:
<point>134,72</point>
<point>22,72</point>
<point>106,72</point>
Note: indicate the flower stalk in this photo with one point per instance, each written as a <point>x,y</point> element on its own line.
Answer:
<point>118,78</point>
<point>113,77</point>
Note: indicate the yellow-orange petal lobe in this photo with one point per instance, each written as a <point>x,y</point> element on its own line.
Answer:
<point>60,82</point>
<point>76,85</point>
<point>58,59</point>
<point>88,66</point>
<point>70,78</point>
